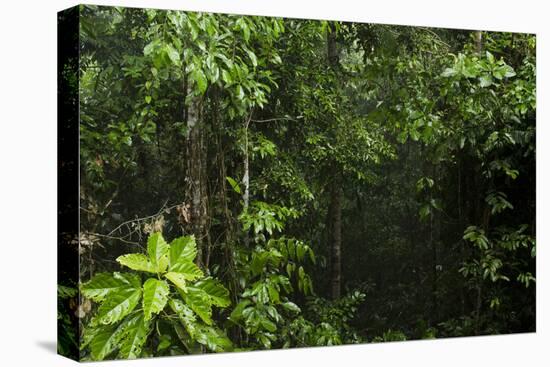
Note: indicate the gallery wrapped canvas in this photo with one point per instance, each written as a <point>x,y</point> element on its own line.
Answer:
<point>239,183</point>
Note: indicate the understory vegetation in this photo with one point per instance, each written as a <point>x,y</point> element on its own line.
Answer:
<point>257,183</point>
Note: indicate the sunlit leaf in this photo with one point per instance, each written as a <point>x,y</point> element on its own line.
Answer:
<point>155,296</point>
<point>138,262</point>
<point>157,249</point>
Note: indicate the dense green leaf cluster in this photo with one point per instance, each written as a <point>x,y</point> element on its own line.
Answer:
<point>173,290</point>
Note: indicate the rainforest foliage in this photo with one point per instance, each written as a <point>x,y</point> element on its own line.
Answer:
<point>255,183</point>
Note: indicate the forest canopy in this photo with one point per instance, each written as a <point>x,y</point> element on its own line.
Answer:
<point>251,183</point>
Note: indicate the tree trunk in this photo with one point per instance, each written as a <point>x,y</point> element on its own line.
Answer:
<point>196,187</point>
<point>246,175</point>
<point>478,42</point>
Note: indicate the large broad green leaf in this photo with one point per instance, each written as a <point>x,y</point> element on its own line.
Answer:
<point>131,280</point>
<point>150,47</point>
<point>182,310</point>
<point>155,296</point>
<point>89,333</point>
<point>485,81</point>
<point>104,340</point>
<point>291,307</point>
<point>237,313</point>
<point>234,184</point>
<point>199,302</point>
<point>182,250</point>
<point>133,337</point>
<point>273,292</point>
<point>138,262</point>
<point>253,58</point>
<point>190,271</point>
<point>186,315</point>
<point>104,283</point>
<point>213,338</point>
<point>118,304</point>
<point>198,76</point>
<point>99,286</point>
<point>157,248</point>
<point>173,54</point>
<point>258,262</point>
<point>178,279</point>
<point>217,293</point>
<point>268,325</point>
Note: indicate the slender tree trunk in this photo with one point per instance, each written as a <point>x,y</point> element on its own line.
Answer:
<point>204,223</point>
<point>195,180</point>
<point>246,175</point>
<point>218,126</point>
<point>479,41</point>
